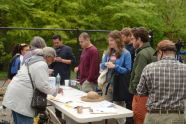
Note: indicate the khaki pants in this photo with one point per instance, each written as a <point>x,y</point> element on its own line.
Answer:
<point>109,97</point>
<point>88,86</point>
<point>157,118</point>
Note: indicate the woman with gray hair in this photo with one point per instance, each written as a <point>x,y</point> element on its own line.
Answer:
<point>36,43</point>
<point>19,93</point>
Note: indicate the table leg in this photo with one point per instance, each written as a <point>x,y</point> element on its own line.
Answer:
<point>106,121</point>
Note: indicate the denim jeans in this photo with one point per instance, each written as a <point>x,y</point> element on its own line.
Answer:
<point>21,119</point>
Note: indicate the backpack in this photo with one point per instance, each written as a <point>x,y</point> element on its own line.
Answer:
<point>15,64</point>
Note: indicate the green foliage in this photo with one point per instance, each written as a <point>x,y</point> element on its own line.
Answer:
<point>165,17</point>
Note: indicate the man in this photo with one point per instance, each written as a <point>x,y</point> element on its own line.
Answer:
<point>61,66</point>
<point>126,34</point>
<point>164,84</point>
<point>64,59</point>
<point>89,64</point>
<point>144,56</point>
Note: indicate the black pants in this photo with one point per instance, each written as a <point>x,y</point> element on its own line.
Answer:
<point>128,103</point>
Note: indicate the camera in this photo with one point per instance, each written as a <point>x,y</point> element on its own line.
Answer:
<point>179,45</point>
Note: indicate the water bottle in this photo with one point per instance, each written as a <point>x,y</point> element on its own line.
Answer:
<point>58,78</point>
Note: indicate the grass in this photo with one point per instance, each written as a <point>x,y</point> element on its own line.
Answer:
<point>73,75</point>
<point>3,75</point>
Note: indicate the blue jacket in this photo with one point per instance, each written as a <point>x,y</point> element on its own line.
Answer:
<point>122,65</point>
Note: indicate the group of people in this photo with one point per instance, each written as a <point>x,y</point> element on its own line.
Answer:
<point>148,82</point>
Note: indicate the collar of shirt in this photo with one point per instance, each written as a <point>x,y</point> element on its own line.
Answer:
<point>169,58</point>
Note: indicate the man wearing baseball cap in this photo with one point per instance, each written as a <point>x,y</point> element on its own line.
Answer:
<point>164,84</point>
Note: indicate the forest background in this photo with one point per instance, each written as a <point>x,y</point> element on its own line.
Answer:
<point>166,18</point>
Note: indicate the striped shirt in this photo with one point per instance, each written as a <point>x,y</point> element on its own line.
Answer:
<point>164,82</point>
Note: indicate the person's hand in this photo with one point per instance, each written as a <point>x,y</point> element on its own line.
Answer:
<point>76,69</point>
<point>50,71</point>
<point>110,65</point>
<point>57,59</point>
<point>9,80</point>
<point>60,91</point>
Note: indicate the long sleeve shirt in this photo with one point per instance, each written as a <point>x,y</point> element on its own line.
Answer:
<point>89,65</point>
<point>122,64</point>
<point>144,56</point>
<point>164,82</point>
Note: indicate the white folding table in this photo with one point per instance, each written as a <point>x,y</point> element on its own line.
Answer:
<point>67,102</point>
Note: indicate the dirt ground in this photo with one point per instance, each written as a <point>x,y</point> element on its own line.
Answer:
<point>5,114</point>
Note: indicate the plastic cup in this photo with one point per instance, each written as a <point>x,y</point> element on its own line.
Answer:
<point>67,83</point>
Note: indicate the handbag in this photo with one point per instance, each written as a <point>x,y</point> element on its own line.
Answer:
<point>102,78</point>
<point>39,99</point>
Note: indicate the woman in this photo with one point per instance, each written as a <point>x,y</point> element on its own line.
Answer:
<point>118,61</point>
<point>15,63</point>
<point>20,92</point>
<point>36,43</point>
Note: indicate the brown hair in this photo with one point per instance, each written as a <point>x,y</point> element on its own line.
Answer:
<point>18,48</point>
<point>126,31</point>
<point>85,35</point>
<point>141,33</point>
<point>116,35</point>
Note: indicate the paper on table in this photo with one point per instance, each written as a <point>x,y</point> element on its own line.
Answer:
<point>103,104</point>
<point>104,110</point>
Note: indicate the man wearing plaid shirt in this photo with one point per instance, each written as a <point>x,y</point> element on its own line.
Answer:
<point>164,82</point>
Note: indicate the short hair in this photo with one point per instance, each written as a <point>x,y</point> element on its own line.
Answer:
<point>47,51</point>
<point>126,31</point>
<point>56,36</point>
<point>141,33</point>
<point>85,35</point>
<point>38,42</point>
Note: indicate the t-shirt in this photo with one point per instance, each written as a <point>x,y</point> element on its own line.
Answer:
<point>65,52</point>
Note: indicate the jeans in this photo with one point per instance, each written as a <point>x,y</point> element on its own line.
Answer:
<point>21,119</point>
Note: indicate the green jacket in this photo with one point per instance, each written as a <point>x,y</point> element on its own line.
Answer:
<point>144,56</point>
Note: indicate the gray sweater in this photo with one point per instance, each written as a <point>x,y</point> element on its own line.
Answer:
<point>19,92</point>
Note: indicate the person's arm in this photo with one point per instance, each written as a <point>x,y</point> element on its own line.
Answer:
<point>104,60</point>
<point>126,65</point>
<point>94,66</point>
<point>70,57</point>
<point>142,89</point>
<point>141,62</point>
<point>39,73</point>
